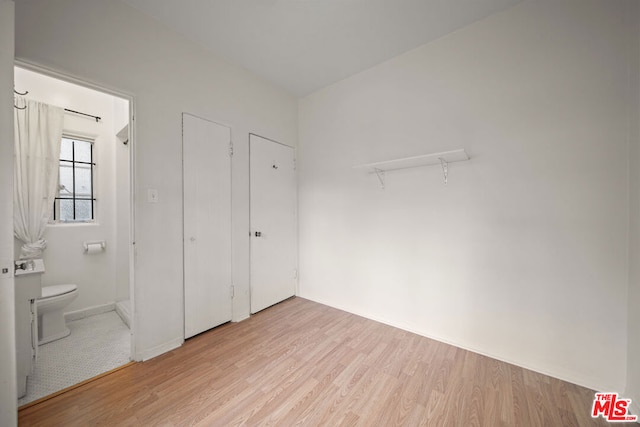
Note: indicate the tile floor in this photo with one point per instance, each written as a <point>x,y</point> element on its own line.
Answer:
<point>97,344</point>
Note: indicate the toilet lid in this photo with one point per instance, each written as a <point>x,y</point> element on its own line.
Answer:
<point>55,290</point>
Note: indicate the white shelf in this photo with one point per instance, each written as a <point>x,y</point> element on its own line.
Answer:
<point>416,161</point>
<point>442,159</point>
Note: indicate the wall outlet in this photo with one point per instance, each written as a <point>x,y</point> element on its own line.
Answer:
<point>152,195</point>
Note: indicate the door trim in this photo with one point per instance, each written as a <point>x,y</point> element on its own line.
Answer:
<point>130,98</point>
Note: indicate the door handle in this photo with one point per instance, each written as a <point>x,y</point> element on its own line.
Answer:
<point>258,233</point>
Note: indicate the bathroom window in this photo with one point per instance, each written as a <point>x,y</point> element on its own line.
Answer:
<point>75,199</point>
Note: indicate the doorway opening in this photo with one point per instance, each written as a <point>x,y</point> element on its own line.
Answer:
<point>89,235</point>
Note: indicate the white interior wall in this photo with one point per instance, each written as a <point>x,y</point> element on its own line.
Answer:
<point>523,254</point>
<point>8,386</point>
<point>633,366</point>
<point>114,45</point>
<point>65,259</point>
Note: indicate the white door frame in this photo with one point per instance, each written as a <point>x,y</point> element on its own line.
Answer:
<point>130,98</point>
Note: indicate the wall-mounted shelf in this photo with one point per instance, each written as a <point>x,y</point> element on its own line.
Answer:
<point>123,135</point>
<point>443,159</point>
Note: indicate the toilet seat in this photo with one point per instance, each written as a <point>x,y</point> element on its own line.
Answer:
<point>56,290</point>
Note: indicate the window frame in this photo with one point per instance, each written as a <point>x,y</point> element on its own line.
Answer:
<point>73,162</point>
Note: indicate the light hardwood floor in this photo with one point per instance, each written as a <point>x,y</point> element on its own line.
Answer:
<point>303,363</point>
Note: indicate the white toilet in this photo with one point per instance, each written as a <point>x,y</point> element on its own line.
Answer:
<point>51,323</point>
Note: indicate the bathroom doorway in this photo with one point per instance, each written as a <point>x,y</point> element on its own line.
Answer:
<point>90,232</point>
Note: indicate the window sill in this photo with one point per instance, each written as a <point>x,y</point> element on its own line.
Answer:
<point>72,224</point>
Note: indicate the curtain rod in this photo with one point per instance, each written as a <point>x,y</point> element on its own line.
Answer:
<point>66,109</point>
<point>83,114</point>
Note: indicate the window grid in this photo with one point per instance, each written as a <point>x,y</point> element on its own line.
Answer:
<point>73,162</point>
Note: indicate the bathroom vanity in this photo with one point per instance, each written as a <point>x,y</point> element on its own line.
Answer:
<point>27,290</point>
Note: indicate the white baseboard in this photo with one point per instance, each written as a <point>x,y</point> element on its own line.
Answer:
<point>91,311</point>
<point>550,371</point>
<point>124,311</point>
<point>152,352</point>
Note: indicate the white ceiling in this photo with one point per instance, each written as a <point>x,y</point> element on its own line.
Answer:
<point>304,45</point>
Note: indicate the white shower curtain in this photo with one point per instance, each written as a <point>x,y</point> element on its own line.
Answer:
<point>38,134</point>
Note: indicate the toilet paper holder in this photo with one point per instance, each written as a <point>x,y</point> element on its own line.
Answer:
<point>91,247</point>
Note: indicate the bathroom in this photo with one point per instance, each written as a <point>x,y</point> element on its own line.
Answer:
<point>94,250</point>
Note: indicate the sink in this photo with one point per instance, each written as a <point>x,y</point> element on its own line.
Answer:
<point>29,266</point>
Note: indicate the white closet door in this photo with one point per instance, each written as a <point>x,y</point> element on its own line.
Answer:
<point>207,224</point>
<point>273,222</point>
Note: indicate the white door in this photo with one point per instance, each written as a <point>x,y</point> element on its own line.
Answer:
<point>273,222</point>
<point>207,224</point>
<point>8,397</point>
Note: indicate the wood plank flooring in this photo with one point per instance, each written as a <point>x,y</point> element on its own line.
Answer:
<point>303,363</point>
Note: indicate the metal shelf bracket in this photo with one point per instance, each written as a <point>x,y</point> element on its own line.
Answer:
<point>445,168</point>
<point>380,174</point>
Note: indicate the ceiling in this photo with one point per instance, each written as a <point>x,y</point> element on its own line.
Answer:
<point>304,45</point>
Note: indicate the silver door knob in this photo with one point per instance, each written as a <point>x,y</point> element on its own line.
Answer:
<point>258,233</point>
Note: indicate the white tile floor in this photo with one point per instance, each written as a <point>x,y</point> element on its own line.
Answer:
<point>96,344</point>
